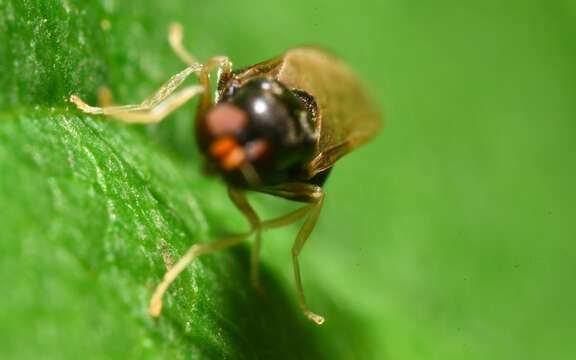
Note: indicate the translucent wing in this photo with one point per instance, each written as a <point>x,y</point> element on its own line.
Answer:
<point>346,116</point>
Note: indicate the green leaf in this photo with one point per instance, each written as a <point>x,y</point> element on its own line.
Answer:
<point>94,211</point>
<point>451,236</point>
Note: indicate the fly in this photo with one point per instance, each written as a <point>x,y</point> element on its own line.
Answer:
<point>276,127</point>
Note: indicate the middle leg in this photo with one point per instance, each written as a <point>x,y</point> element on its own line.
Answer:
<point>239,199</point>
<point>314,196</point>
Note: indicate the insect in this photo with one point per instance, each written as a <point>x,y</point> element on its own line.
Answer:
<point>276,127</point>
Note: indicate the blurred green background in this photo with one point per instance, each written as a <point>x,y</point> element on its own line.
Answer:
<point>451,236</point>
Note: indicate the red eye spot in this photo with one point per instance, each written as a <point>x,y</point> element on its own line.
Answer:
<point>225,119</point>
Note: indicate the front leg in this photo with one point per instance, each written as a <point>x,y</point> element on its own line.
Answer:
<point>311,194</point>
<point>155,108</point>
<point>165,100</point>
<point>314,195</point>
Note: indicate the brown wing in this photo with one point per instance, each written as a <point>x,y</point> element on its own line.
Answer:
<point>346,116</point>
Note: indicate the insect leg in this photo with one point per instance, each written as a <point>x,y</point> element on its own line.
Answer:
<point>285,220</point>
<point>154,108</point>
<point>222,63</point>
<point>195,250</point>
<point>301,238</point>
<point>175,38</point>
<point>314,195</point>
<point>239,199</point>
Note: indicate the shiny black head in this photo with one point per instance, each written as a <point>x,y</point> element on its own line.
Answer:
<point>258,134</point>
